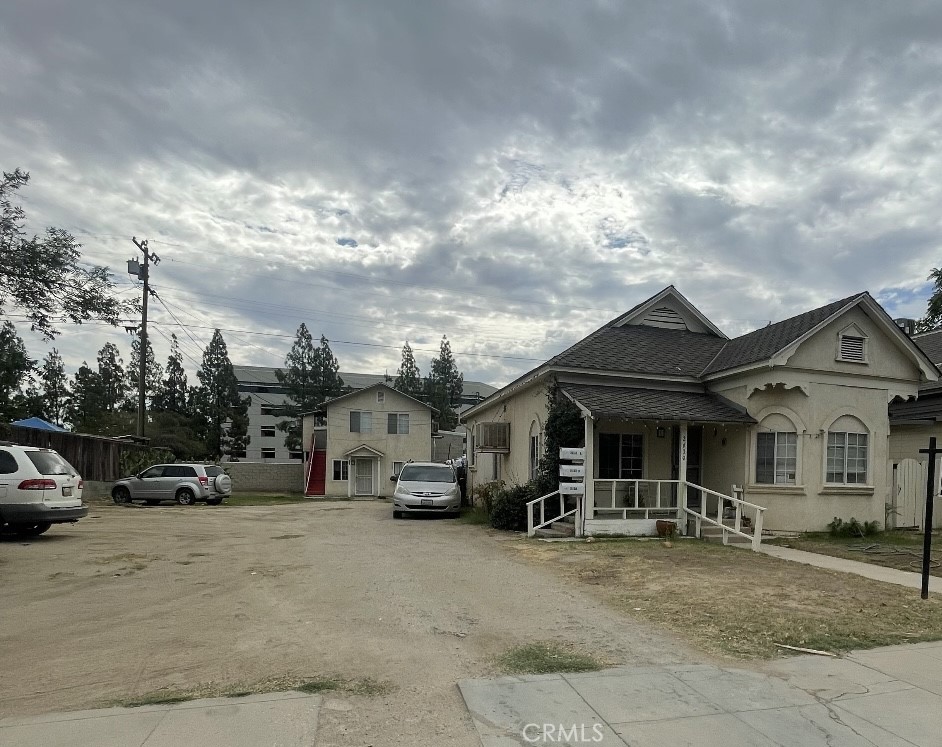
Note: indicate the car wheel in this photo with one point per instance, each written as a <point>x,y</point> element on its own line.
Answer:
<point>153,501</point>
<point>397,514</point>
<point>185,497</point>
<point>213,501</point>
<point>121,495</point>
<point>31,530</point>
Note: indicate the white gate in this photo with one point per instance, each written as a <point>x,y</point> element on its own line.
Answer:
<point>909,491</point>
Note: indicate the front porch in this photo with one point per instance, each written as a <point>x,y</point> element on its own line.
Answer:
<point>656,456</point>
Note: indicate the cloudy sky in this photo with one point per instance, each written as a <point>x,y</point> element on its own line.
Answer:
<point>511,174</point>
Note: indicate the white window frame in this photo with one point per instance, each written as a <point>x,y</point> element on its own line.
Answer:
<point>380,396</point>
<point>845,445</point>
<point>363,419</point>
<point>343,467</point>
<point>268,431</point>
<point>780,458</point>
<point>402,424</point>
<point>268,453</point>
<point>397,468</point>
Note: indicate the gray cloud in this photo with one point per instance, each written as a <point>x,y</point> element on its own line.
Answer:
<point>511,174</point>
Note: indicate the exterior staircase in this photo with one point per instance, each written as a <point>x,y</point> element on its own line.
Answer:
<point>712,533</point>
<point>558,529</point>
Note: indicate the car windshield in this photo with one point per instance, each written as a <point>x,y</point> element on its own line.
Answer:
<point>50,463</point>
<point>415,473</point>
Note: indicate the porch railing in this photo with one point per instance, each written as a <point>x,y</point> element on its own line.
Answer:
<point>636,499</point>
<point>539,505</point>
<point>700,515</point>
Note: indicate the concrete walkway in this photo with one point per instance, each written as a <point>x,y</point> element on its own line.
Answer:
<point>890,697</point>
<point>869,570</point>
<point>284,719</point>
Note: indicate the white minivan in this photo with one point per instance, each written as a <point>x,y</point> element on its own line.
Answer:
<point>38,488</point>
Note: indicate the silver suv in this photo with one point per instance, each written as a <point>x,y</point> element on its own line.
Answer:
<point>184,483</point>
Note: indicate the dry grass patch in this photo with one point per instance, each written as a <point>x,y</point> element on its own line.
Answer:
<point>736,602</point>
<point>894,549</point>
<point>331,683</point>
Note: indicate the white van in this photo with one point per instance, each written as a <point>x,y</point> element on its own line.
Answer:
<point>38,488</point>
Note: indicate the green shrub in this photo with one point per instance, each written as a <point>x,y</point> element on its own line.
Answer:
<point>509,510</point>
<point>853,528</point>
<point>483,495</point>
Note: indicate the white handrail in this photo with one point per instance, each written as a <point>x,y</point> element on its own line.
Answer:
<point>532,526</point>
<point>739,503</point>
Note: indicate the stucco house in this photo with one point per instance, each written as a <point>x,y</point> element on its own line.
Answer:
<point>794,415</point>
<point>356,442</point>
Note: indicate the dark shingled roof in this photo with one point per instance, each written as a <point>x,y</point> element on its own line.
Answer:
<point>927,407</point>
<point>931,344</point>
<point>642,350</point>
<point>766,342</point>
<point>654,404</point>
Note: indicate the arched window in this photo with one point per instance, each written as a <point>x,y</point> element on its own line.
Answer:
<point>848,452</point>
<point>535,446</point>
<point>776,451</point>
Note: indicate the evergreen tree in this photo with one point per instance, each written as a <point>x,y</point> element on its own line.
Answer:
<point>85,400</point>
<point>54,387</point>
<point>15,369</point>
<point>111,377</point>
<point>153,376</point>
<point>312,378</point>
<point>300,378</point>
<point>444,386</point>
<point>171,396</point>
<point>221,412</point>
<point>564,429</point>
<point>408,379</point>
<point>933,317</point>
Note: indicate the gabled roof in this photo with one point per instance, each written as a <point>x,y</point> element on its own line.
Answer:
<point>324,405</point>
<point>629,403</point>
<point>931,344</point>
<point>363,450</point>
<point>670,293</point>
<point>642,350</point>
<point>764,343</point>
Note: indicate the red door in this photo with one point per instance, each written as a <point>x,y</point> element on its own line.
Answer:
<point>317,479</point>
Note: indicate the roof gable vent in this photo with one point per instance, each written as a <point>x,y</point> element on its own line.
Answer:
<point>666,317</point>
<point>852,349</point>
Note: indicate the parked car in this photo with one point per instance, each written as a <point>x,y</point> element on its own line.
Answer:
<point>38,488</point>
<point>183,483</point>
<point>426,487</point>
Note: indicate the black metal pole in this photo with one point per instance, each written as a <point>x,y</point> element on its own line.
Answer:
<point>927,521</point>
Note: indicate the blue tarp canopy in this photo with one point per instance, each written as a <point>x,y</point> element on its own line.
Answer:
<point>37,423</point>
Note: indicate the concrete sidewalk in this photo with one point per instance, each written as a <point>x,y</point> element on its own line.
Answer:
<point>885,697</point>
<point>869,570</point>
<point>283,719</point>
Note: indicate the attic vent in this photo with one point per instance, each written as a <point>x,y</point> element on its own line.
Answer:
<point>665,317</point>
<point>852,349</point>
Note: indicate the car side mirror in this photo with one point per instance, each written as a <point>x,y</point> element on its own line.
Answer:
<point>394,478</point>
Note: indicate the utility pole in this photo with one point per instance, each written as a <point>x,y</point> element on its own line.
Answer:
<point>931,489</point>
<point>143,273</point>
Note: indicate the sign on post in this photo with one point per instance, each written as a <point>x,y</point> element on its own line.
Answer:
<point>572,455</point>
<point>571,488</point>
<point>572,470</point>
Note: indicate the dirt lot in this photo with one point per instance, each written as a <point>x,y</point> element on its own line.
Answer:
<point>135,600</point>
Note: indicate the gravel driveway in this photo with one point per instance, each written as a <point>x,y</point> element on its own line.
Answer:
<point>136,599</point>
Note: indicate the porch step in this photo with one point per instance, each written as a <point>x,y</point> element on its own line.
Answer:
<point>564,528</point>
<point>711,533</point>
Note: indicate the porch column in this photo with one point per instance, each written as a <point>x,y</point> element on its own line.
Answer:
<point>588,503</point>
<point>682,473</point>
<point>351,475</point>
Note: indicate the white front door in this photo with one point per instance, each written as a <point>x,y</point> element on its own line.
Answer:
<point>364,477</point>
